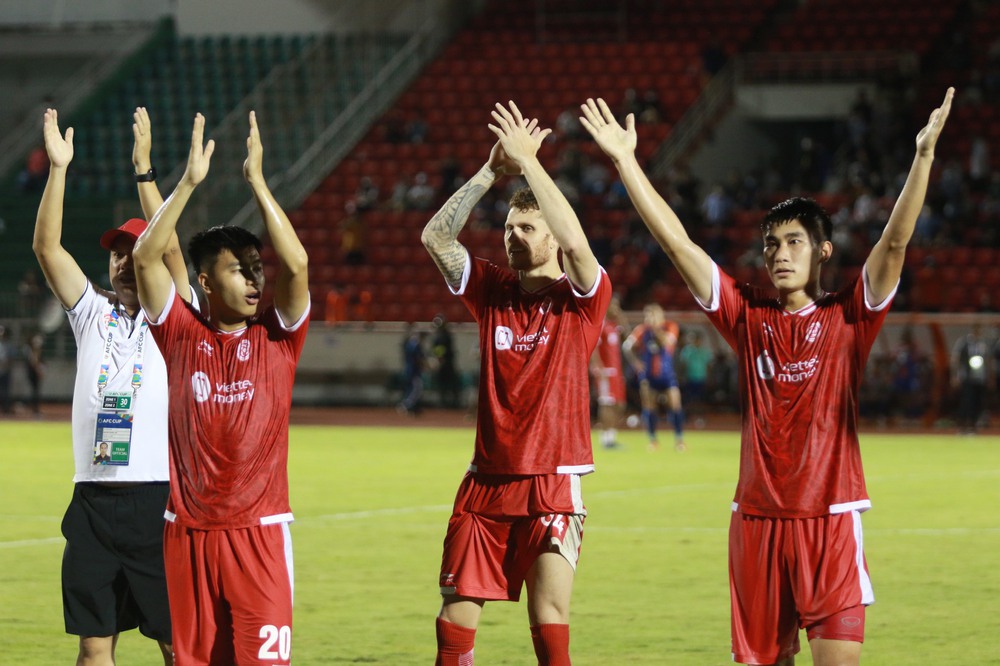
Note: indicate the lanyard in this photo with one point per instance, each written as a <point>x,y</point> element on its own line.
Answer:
<point>102,376</point>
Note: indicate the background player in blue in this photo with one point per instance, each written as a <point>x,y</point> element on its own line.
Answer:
<point>650,350</point>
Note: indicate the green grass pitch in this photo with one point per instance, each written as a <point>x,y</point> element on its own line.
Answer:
<point>371,506</point>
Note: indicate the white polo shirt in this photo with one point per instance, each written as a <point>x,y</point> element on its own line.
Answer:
<point>147,459</point>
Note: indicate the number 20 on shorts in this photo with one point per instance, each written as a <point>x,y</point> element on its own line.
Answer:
<point>277,642</point>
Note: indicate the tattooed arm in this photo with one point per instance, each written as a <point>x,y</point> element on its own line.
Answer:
<point>440,236</point>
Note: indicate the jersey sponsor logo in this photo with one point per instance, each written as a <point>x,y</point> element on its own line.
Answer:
<point>798,371</point>
<point>765,366</point>
<point>812,333</point>
<point>243,350</point>
<point>225,393</point>
<point>502,338</point>
<point>201,386</point>
<point>237,391</point>
<point>205,347</point>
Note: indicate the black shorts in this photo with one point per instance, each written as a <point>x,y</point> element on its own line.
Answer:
<point>112,572</point>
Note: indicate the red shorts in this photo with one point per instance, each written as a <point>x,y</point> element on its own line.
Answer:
<point>610,387</point>
<point>499,527</point>
<point>787,574</point>
<point>230,594</point>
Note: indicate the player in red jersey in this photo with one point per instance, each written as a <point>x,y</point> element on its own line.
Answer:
<point>606,365</point>
<point>226,542</point>
<point>518,516</point>
<point>796,555</point>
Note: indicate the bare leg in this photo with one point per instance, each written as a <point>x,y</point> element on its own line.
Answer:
<point>827,652</point>
<point>97,651</point>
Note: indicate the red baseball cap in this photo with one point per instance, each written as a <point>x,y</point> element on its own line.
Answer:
<point>133,229</point>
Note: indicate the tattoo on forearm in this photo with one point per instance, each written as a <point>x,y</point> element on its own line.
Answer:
<point>444,227</point>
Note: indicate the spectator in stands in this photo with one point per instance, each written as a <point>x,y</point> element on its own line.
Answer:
<point>908,370</point>
<point>421,194</point>
<point>802,355</point>
<point>36,170</point>
<point>979,163</point>
<point>352,236</point>
<point>450,170</point>
<point>631,102</point>
<point>395,127</point>
<point>568,126</point>
<point>717,207</point>
<point>650,111</point>
<point>29,293</point>
<point>970,360</point>
<point>416,129</point>
<point>366,196</point>
<point>594,177</point>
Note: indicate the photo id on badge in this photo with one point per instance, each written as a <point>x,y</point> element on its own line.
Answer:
<point>113,436</point>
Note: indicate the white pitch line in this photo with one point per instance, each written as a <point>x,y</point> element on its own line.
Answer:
<point>30,542</point>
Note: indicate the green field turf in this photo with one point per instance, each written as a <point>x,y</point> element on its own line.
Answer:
<point>371,507</point>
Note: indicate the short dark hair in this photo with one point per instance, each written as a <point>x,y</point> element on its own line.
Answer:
<point>810,215</point>
<point>524,199</point>
<point>205,246</point>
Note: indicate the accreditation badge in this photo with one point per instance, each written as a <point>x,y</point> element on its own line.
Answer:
<point>113,436</point>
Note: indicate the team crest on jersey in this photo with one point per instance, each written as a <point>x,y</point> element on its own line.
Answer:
<point>201,386</point>
<point>812,333</point>
<point>205,347</point>
<point>243,350</point>
<point>765,366</point>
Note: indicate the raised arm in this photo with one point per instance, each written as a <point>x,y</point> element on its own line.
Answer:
<point>522,144</point>
<point>291,290</point>
<point>152,277</point>
<point>694,265</point>
<point>61,271</point>
<point>150,199</point>
<point>885,263</point>
<point>440,235</point>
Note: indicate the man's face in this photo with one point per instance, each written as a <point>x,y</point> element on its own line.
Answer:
<point>233,284</point>
<point>790,256</point>
<point>527,239</point>
<point>121,270</point>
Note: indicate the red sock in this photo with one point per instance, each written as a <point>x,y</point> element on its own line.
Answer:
<point>455,644</point>
<point>551,644</point>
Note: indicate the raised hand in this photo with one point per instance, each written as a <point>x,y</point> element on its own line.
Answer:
<point>617,142</point>
<point>200,155</point>
<point>520,139</point>
<point>928,136</point>
<point>59,149</point>
<point>500,162</point>
<point>253,167</point>
<point>143,141</point>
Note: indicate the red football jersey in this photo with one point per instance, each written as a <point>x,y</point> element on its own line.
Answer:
<point>609,347</point>
<point>799,377</point>
<point>230,394</point>
<point>534,385</point>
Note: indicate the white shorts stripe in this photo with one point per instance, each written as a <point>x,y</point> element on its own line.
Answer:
<point>289,561</point>
<point>576,489</point>
<point>867,592</point>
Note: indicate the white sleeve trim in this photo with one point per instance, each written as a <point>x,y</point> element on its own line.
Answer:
<point>857,505</point>
<point>888,299</point>
<point>87,290</point>
<point>294,327</point>
<point>593,289</point>
<point>713,304</point>
<point>166,308</point>
<point>195,303</point>
<point>466,272</point>
<point>277,518</point>
<point>574,469</point>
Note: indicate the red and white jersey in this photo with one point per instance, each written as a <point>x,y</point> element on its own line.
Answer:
<point>230,394</point>
<point>534,384</point>
<point>609,348</point>
<point>799,377</point>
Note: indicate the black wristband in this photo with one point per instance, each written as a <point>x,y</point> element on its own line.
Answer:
<point>148,177</point>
